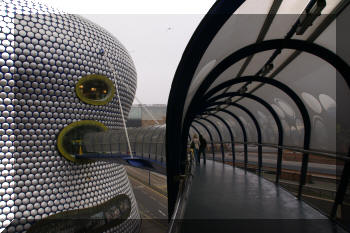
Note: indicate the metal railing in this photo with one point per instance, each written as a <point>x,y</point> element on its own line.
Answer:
<point>340,160</point>
<point>184,190</point>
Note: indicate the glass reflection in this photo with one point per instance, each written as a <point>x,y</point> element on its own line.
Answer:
<point>321,138</point>
<point>262,115</point>
<point>285,107</point>
<point>328,103</point>
<point>279,111</point>
<point>94,89</point>
<point>312,102</point>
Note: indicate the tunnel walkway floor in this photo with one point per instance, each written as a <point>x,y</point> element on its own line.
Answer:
<point>228,199</point>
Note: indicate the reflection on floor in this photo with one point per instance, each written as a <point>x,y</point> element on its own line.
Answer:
<point>226,199</point>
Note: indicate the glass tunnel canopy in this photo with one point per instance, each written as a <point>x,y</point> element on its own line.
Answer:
<point>270,75</point>
<point>309,73</point>
<point>147,142</point>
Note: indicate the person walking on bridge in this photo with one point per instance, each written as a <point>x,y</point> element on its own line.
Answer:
<point>195,147</point>
<point>202,146</point>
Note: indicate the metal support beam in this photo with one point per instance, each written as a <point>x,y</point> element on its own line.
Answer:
<point>274,115</point>
<point>341,191</point>
<point>210,135</point>
<point>299,103</point>
<point>220,136</point>
<point>231,136</point>
<point>258,130</point>
<point>245,139</point>
<point>176,133</point>
<point>195,129</point>
<point>340,65</point>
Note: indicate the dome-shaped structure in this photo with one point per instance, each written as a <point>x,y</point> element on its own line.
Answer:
<point>44,53</point>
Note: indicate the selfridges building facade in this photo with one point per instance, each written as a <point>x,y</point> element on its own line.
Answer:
<point>57,71</point>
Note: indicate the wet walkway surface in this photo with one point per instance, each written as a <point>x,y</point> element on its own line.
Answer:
<point>228,199</point>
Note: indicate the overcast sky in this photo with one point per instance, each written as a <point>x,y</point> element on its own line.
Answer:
<point>155,32</point>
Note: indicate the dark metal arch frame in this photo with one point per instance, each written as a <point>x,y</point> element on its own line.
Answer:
<point>244,135</point>
<point>220,137</point>
<point>198,130</point>
<point>299,103</point>
<point>231,136</point>
<point>177,133</point>
<point>314,49</point>
<point>257,126</point>
<point>218,14</point>
<point>277,121</point>
<point>210,135</point>
<point>192,126</point>
<point>195,129</point>
<point>162,148</point>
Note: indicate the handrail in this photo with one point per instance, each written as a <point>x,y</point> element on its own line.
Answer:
<point>184,189</point>
<point>340,156</point>
<point>343,182</point>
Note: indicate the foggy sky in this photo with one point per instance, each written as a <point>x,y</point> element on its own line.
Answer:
<point>155,32</point>
<point>156,43</point>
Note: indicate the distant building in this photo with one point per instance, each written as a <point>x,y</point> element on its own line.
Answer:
<point>138,116</point>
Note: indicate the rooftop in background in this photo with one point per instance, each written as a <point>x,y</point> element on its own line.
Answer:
<point>138,116</point>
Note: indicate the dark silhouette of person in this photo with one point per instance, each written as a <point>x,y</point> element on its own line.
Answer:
<point>202,146</point>
<point>195,146</point>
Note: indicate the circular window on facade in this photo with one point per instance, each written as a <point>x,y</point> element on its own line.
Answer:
<point>95,89</point>
<point>70,139</point>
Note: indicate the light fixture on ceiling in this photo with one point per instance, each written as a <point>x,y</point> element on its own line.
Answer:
<point>309,15</point>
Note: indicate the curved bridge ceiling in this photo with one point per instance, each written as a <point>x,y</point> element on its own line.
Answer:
<point>272,72</point>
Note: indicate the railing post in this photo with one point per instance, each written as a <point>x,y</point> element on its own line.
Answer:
<point>245,155</point>
<point>233,153</point>
<point>339,197</point>
<point>213,149</point>
<point>259,158</point>
<point>279,164</point>
<point>222,152</point>
<point>302,181</point>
